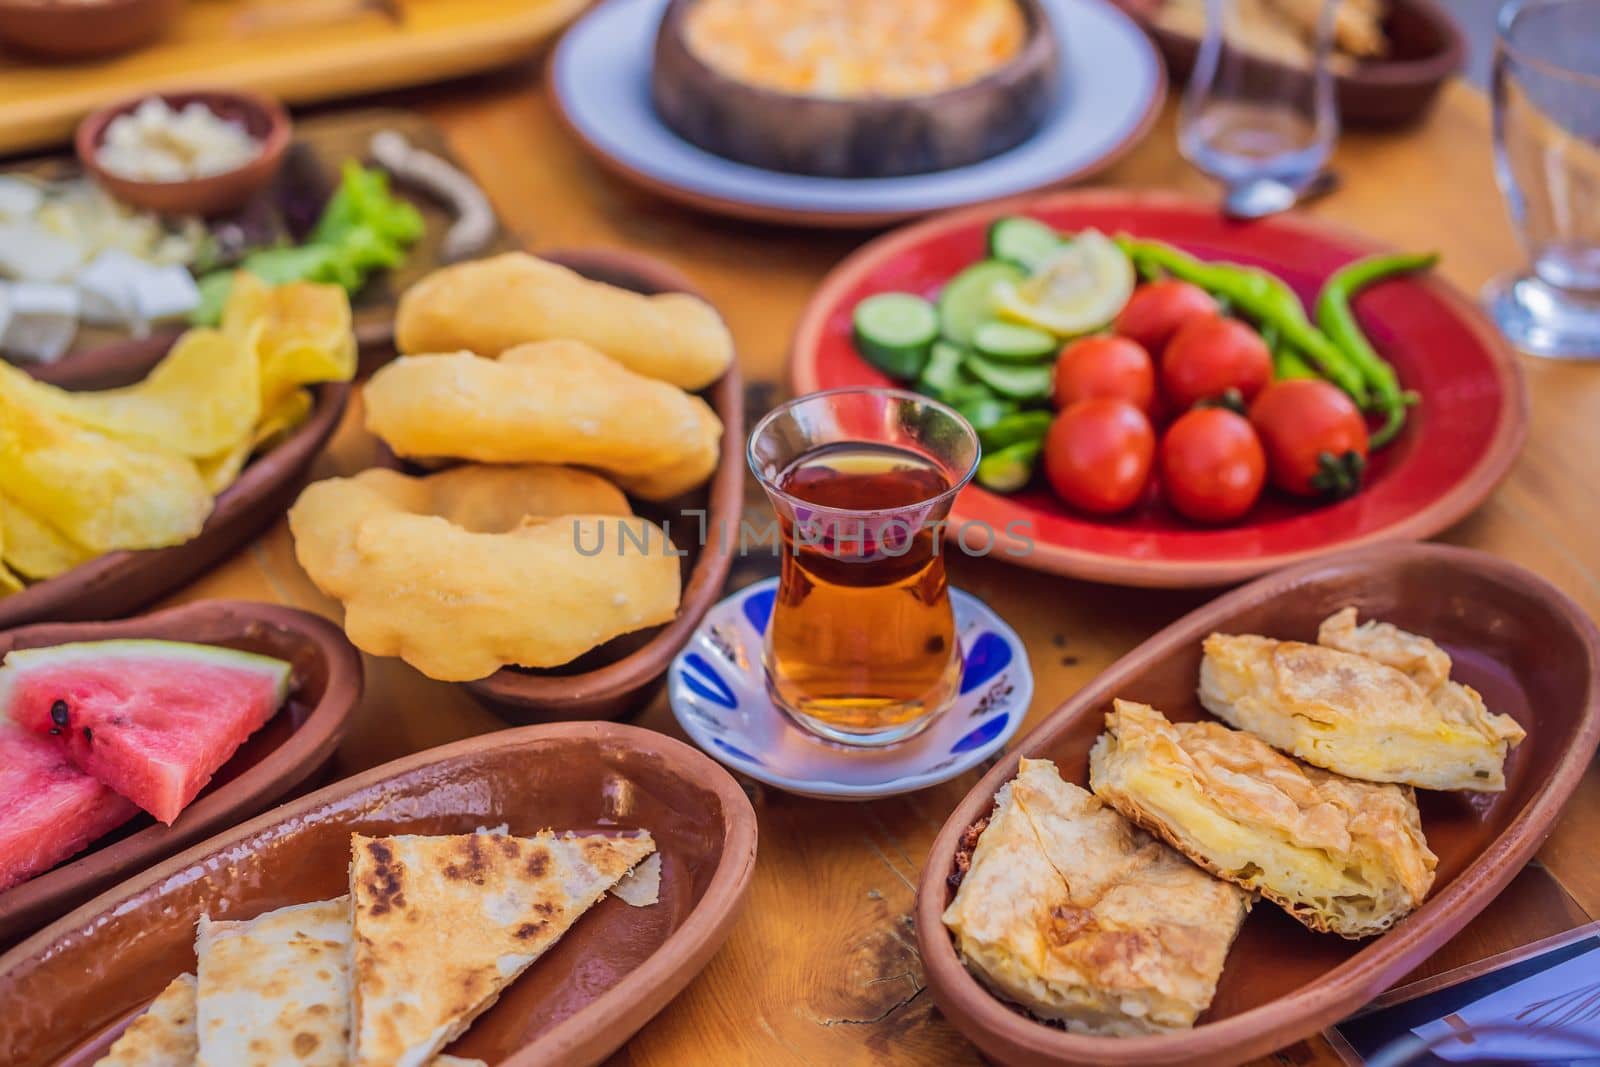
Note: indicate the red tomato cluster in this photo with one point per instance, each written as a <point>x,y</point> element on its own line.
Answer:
<point>1173,356</point>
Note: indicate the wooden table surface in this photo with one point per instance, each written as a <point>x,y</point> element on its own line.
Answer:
<point>822,966</point>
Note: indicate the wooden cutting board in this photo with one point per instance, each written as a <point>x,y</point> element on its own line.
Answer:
<point>297,50</point>
<point>322,145</point>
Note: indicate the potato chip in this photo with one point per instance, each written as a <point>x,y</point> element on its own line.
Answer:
<point>33,547</point>
<point>220,471</point>
<point>9,583</point>
<point>101,492</point>
<point>282,418</point>
<point>306,335</point>
<point>202,398</point>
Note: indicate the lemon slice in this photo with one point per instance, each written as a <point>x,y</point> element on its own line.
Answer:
<point>1079,289</point>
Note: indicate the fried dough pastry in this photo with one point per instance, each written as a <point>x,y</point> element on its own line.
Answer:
<point>489,305</point>
<point>1371,702</point>
<point>1340,856</point>
<point>460,601</point>
<point>553,402</point>
<point>1079,916</point>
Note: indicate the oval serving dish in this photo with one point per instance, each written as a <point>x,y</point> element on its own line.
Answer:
<point>119,582</point>
<point>625,674</point>
<point>854,137</point>
<point>293,745</point>
<point>1524,645</point>
<point>74,986</point>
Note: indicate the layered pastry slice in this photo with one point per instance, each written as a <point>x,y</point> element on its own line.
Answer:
<point>1371,702</point>
<point>1339,855</point>
<point>1077,915</point>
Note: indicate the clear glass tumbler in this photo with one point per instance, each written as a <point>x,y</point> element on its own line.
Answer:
<point>1547,157</point>
<point>862,649</point>
<point>1261,106</point>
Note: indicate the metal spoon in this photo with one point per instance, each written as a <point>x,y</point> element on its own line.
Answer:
<point>1260,197</point>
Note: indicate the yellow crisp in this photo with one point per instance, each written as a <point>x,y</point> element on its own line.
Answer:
<point>306,335</point>
<point>33,547</point>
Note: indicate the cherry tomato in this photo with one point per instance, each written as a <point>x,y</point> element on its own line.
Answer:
<point>1157,309</point>
<point>1098,453</point>
<point>1315,438</point>
<point>1212,465</point>
<point>1103,366</point>
<point>1210,356</point>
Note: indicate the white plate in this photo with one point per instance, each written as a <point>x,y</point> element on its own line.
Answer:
<point>719,695</point>
<point>1113,86</point>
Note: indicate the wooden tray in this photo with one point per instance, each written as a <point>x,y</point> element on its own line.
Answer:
<point>72,988</point>
<point>298,50</point>
<point>1515,638</point>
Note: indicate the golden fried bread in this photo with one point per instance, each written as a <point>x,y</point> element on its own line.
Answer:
<point>553,402</point>
<point>1079,916</point>
<point>443,924</point>
<point>489,305</point>
<point>1339,855</point>
<point>164,1036</point>
<point>1373,702</point>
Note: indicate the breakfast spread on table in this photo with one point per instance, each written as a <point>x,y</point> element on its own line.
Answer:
<point>433,930</point>
<point>1054,876</point>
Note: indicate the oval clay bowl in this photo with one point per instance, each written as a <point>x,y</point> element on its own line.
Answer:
<point>283,754</point>
<point>119,582</point>
<point>1426,49</point>
<point>216,194</point>
<point>623,675</point>
<point>862,137</point>
<point>72,987</point>
<point>1518,640</point>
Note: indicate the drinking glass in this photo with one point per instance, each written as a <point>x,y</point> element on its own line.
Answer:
<point>861,649</point>
<point>1547,158</point>
<point>1260,106</point>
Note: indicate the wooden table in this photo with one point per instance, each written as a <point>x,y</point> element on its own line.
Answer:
<point>822,967</point>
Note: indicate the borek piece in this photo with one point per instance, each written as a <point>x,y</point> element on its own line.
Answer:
<point>490,305</point>
<point>554,402</point>
<point>1371,702</point>
<point>164,1036</point>
<point>1340,856</point>
<point>1079,916</point>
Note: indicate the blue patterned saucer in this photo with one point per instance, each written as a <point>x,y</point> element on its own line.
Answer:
<point>719,695</point>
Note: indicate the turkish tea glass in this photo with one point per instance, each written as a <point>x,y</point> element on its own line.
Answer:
<point>1547,158</point>
<point>861,648</point>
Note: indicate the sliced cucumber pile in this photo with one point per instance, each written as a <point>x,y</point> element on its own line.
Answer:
<point>896,332</point>
<point>1011,343</point>
<point>968,299</point>
<point>1030,381</point>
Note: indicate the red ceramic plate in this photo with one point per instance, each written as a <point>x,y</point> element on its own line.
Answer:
<point>1458,444</point>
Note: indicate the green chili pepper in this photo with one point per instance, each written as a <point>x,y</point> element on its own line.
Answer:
<point>1339,323</point>
<point>1265,298</point>
<point>1287,363</point>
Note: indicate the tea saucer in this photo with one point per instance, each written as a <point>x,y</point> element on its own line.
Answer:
<point>719,695</point>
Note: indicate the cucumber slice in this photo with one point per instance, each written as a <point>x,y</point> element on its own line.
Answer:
<point>979,406</point>
<point>895,332</point>
<point>942,375</point>
<point>1026,242</point>
<point>1030,381</point>
<point>968,299</point>
<point>1010,468</point>
<point>1011,343</point>
<point>1014,429</point>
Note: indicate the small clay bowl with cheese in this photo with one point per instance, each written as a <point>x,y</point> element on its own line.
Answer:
<point>262,120</point>
<point>855,93</point>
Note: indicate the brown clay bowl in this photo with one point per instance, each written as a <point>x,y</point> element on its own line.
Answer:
<point>72,987</point>
<point>866,137</point>
<point>624,675</point>
<point>119,582</point>
<point>1518,640</point>
<point>276,759</point>
<point>1426,48</point>
<point>218,194</point>
<point>52,29</point>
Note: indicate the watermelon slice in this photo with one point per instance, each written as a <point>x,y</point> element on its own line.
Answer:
<point>153,720</point>
<point>49,809</point>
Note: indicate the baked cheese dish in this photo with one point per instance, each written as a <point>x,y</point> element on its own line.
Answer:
<point>1371,702</point>
<point>1341,856</point>
<point>854,48</point>
<point>1077,915</point>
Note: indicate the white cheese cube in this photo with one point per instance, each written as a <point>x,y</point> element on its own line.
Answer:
<point>44,320</point>
<point>19,198</point>
<point>106,287</point>
<point>30,253</point>
<point>164,293</point>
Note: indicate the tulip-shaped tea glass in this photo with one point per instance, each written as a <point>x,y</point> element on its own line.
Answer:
<point>862,647</point>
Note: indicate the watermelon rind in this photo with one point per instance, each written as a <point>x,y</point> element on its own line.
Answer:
<point>19,662</point>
